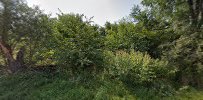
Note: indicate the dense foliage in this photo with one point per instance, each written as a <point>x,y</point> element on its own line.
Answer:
<point>139,69</point>
<point>76,44</point>
<point>151,54</point>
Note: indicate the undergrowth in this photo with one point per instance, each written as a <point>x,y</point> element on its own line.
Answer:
<point>43,86</point>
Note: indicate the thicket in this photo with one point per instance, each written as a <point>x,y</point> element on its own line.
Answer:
<point>76,44</point>
<point>157,51</point>
<point>138,69</point>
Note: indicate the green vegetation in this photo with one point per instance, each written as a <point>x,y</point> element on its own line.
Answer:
<point>32,86</point>
<point>156,55</point>
<point>80,42</point>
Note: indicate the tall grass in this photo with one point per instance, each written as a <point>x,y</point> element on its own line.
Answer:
<point>37,86</point>
<point>43,86</point>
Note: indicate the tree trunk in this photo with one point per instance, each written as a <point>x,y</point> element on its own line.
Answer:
<point>196,12</point>
<point>20,57</point>
<point>13,65</point>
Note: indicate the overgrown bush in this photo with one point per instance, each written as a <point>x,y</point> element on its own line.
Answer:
<point>136,68</point>
<point>77,44</point>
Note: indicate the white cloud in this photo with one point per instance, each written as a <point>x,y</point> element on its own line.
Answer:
<point>102,10</point>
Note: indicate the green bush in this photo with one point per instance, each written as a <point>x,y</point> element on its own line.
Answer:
<point>77,44</point>
<point>137,68</point>
<point>125,36</point>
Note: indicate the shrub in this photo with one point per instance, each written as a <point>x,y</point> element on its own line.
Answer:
<point>138,68</point>
<point>77,44</point>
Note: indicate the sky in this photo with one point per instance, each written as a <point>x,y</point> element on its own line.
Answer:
<point>102,10</point>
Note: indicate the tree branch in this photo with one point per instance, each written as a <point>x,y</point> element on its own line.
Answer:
<point>6,51</point>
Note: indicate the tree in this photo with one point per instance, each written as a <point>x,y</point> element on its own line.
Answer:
<point>185,20</point>
<point>157,29</point>
<point>179,13</point>
<point>125,36</point>
<point>186,54</point>
<point>19,27</point>
<point>76,44</point>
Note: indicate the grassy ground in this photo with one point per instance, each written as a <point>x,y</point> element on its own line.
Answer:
<point>187,95</point>
<point>41,86</point>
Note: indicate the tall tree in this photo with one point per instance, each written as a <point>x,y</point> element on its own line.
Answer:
<point>19,25</point>
<point>185,19</point>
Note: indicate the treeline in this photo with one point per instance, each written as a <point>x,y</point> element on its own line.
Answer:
<point>160,46</point>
